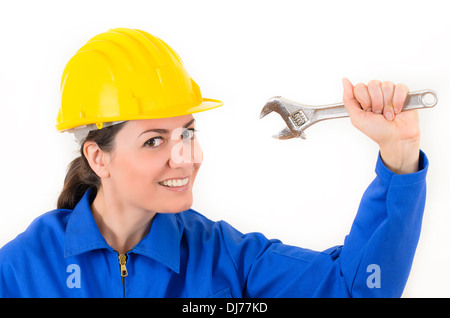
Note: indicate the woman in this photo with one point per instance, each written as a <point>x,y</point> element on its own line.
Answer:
<point>124,227</point>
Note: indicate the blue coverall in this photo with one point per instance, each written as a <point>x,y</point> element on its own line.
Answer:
<point>63,254</point>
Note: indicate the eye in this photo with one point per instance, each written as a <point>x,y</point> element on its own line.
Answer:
<point>188,133</point>
<point>154,142</point>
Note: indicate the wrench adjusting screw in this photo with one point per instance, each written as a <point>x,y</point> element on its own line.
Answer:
<point>298,118</point>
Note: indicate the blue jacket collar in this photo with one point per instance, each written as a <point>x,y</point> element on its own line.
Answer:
<point>162,243</point>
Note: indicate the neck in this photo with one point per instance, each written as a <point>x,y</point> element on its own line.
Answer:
<point>122,226</point>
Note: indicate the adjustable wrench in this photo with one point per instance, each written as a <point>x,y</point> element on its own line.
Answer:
<point>298,117</point>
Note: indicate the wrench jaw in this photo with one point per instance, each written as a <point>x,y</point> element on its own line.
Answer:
<point>286,133</point>
<point>272,105</point>
<point>293,116</point>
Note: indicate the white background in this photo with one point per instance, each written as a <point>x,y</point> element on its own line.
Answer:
<point>305,193</point>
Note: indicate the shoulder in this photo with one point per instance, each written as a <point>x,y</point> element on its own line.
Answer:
<point>24,261</point>
<point>46,230</point>
<point>195,223</point>
<point>198,226</point>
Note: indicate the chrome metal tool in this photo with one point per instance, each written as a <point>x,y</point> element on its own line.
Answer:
<point>298,117</point>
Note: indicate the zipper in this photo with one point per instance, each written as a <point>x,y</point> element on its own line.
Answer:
<point>123,269</point>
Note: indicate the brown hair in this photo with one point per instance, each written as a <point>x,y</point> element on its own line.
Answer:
<point>80,177</point>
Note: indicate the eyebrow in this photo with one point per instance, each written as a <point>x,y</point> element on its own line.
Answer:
<point>165,131</point>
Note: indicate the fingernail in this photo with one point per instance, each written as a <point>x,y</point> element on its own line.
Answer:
<point>396,111</point>
<point>369,109</point>
<point>389,116</point>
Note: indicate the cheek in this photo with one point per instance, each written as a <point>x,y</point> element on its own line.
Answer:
<point>135,173</point>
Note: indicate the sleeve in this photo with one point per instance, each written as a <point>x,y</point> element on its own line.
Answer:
<point>378,253</point>
<point>10,283</point>
<point>374,261</point>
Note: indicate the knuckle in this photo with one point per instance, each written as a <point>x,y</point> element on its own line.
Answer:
<point>402,88</point>
<point>360,88</point>
<point>374,84</point>
<point>387,85</point>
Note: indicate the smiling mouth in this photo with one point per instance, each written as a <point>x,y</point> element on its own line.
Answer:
<point>172,183</point>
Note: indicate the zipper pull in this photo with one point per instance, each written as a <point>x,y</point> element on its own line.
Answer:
<point>123,263</point>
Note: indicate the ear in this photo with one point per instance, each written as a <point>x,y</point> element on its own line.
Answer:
<point>98,160</point>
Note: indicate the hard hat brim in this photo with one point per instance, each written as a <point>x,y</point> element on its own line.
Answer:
<point>206,104</point>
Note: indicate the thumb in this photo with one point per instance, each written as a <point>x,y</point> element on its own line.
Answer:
<point>352,106</point>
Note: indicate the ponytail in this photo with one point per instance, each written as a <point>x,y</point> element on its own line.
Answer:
<point>80,177</point>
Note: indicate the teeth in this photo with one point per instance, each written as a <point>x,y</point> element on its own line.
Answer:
<point>175,182</point>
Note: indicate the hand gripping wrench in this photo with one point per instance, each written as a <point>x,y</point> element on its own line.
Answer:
<point>298,117</point>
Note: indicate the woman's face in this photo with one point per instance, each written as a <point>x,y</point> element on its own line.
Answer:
<point>154,164</point>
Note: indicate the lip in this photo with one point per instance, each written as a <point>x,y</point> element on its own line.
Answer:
<point>176,189</point>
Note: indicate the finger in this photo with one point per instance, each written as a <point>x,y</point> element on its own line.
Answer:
<point>388,95</point>
<point>351,104</point>
<point>400,94</point>
<point>362,96</point>
<point>376,96</point>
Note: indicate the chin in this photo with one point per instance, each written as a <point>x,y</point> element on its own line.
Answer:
<point>175,207</point>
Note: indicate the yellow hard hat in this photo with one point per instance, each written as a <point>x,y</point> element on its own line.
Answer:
<point>125,74</point>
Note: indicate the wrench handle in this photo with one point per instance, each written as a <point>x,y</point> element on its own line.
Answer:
<point>415,100</point>
<point>421,99</point>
